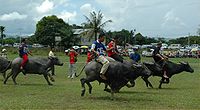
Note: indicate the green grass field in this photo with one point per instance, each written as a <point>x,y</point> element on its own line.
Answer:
<point>32,92</point>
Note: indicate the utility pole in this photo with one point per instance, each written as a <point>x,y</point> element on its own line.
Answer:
<point>20,37</point>
<point>188,39</point>
<point>134,36</point>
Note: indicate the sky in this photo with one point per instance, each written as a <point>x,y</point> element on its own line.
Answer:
<point>152,18</point>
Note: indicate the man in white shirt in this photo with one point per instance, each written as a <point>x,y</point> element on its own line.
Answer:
<point>51,54</point>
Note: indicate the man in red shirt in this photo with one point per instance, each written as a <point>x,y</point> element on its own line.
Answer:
<point>112,50</point>
<point>72,59</point>
<point>89,56</point>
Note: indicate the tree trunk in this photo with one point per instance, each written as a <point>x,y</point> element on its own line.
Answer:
<point>95,35</point>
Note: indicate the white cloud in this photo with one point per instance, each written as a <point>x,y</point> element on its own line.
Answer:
<point>12,16</point>
<point>65,15</point>
<point>45,7</point>
<point>87,8</point>
<point>170,19</point>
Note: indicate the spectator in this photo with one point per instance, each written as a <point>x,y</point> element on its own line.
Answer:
<point>3,53</point>
<point>89,56</point>
<point>51,54</point>
<point>135,56</point>
<point>72,59</point>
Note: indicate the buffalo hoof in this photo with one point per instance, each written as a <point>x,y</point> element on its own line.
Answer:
<point>52,79</point>
<point>151,87</point>
<point>82,92</point>
<point>90,90</point>
<point>107,90</point>
<point>50,84</point>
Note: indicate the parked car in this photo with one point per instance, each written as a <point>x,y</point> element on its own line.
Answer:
<point>174,46</point>
<point>146,46</point>
<point>37,46</point>
<point>7,45</point>
<point>16,44</point>
<point>164,46</point>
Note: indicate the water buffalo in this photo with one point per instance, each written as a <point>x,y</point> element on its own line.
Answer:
<point>172,69</point>
<point>118,75</point>
<point>34,66</point>
<point>45,60</point>
<point>4,66</point>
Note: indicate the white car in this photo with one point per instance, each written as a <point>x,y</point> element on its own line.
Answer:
<point>174,46</point>
<point>37,46</point>
<point>16,44</point>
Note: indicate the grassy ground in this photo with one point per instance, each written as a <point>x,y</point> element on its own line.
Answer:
<point>32,92</point>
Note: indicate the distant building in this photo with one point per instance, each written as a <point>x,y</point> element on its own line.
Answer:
<point>83,34</point>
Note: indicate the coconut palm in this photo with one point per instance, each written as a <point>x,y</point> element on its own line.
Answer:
<point>95,24</point>
<point>2,29</point>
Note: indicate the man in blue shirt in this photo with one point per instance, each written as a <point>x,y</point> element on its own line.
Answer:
<point>135,56</point>
<point>99,50</point>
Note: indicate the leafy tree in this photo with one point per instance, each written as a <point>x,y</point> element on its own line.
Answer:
<point>2,29</point>
<point>32,39</point>
<point>9,40</point>
<point>184,40</point>
<point>95,23</point>
<point>50,27</point>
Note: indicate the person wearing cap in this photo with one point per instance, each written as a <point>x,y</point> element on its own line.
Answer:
<point>135,56</point>
<point>160,59</point>
<point>112,50</point>
<point>3,53</point>
<point>72,59</point>
<point>99,49</point>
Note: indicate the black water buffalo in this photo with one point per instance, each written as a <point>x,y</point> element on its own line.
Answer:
<point>172,69</point>
<point>4,66</point>
<point>34,66</point>
<point>118,75</point>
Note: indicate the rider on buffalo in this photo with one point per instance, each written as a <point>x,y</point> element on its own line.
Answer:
<point>160,59</point>
<point>23,53</point>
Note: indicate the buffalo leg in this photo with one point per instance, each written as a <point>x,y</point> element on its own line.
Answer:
<point>83,86</point>
<point>46,77</point>
<point>148,83</point>
<point>4,75</point>
<point>161,81</point>
<point>90,87</point>
<point>10,74</point>
<point>87,81</point>
<point>106,88</point>
<point>51,78</point>
<point>112,94</point>
<point>14,77</point>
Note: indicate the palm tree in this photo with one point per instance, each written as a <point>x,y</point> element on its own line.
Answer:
<point>2,29</point>
<point>94,23</point>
